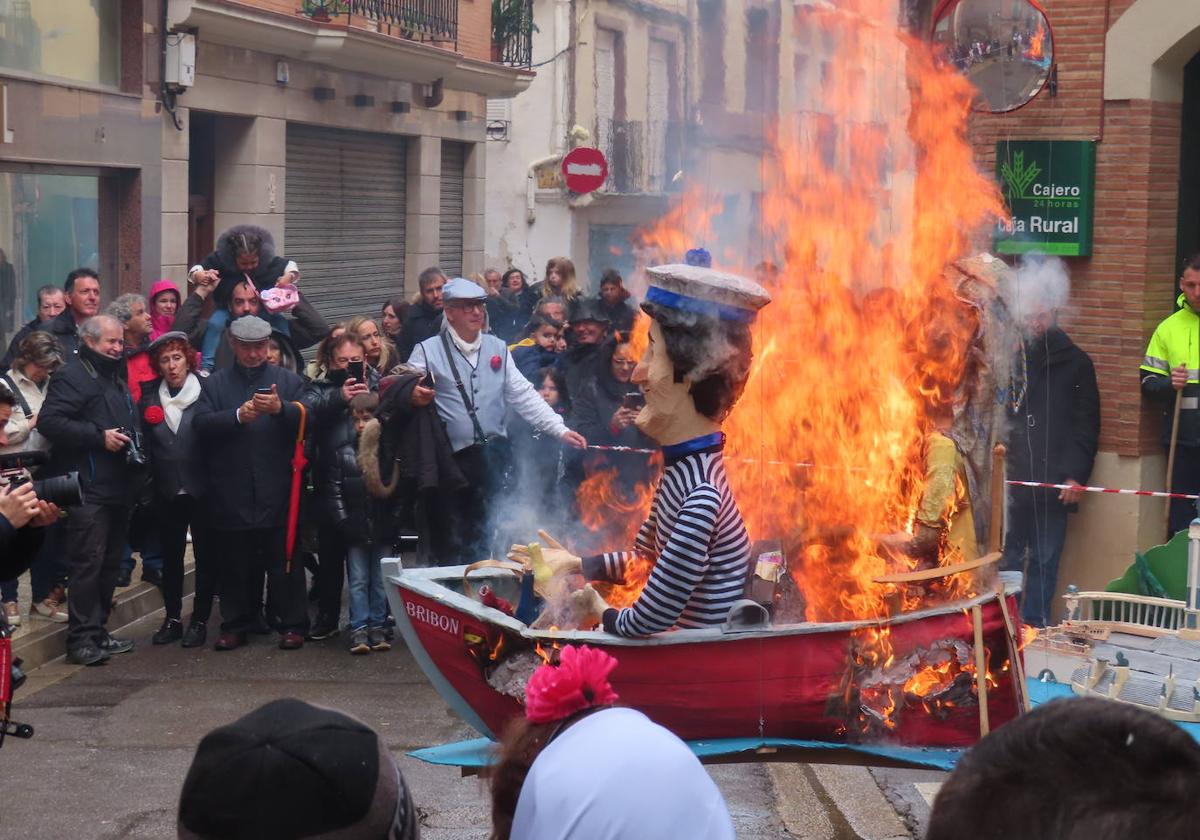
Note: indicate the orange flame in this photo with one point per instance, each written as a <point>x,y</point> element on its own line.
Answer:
<point>871,194</point>
<point>1037,48</point>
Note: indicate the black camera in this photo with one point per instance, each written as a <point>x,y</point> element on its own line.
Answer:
<point>135,455</point>
<point>61,490</point>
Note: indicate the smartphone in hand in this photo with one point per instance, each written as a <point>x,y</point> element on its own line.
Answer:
<point>427,381</point>
<point>263,392</point>
<point>634,401</point>
<point>357,371</point>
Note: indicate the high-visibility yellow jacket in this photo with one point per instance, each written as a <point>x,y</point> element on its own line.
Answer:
<point>1175,341</point>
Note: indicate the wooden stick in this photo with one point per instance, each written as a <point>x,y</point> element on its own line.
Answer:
<point>980,670</point>
<point>1171,456</point>
<point>996,525</point>
<point>1015,655</point>
<point>938,571</point>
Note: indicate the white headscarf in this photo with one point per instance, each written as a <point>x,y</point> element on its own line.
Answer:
<point>617,775</point>
<point>173,406</point>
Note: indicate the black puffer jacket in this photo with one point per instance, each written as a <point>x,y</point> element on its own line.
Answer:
<point>270,268</point>
<point>1056,429</point>
<point>341,494</point>
<point>64,330</point>
<point>83,399</point>
<point>422,322</point>
<point>249,465</point>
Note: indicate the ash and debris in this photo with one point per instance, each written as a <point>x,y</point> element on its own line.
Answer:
<point>510,676</point>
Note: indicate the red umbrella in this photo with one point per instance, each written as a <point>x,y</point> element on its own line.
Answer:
<point>299,462</point>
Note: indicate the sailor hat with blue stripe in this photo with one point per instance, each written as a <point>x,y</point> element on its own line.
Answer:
<point>704,291</point>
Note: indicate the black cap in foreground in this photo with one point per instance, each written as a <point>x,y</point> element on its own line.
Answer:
<point>293,770</point>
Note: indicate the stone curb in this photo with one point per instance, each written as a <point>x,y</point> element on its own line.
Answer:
<point>49,642</point>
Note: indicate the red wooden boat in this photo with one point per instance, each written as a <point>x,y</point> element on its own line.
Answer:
<point>792,681</point>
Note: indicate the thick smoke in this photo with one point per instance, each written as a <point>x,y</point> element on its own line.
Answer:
<point>1038,285</point>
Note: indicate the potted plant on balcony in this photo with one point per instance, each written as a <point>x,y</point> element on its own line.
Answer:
<point>510,19</point>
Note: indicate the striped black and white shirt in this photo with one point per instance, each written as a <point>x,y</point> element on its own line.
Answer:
<point>695,537</point>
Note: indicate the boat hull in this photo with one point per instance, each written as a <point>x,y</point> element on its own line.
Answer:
<point>783,682</point>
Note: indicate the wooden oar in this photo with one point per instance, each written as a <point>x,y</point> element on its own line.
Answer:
<point>940,571</point>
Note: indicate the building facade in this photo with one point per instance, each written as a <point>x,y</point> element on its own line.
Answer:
<point>1128,78</point>
<point>356,140</point>
<point>136,130</point>
<point>79,146</point>
<point>673,92</point>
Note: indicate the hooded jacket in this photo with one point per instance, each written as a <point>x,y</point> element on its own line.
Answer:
<point>162,323</point>
<point>1056,428</point>
<point>270,268</point>
<point>86,397</point>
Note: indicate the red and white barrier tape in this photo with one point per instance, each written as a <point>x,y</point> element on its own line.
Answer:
<point>1158,494</point>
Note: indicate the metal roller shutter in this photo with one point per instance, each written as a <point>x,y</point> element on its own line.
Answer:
<point>450,247</point>
<point>345,217</point>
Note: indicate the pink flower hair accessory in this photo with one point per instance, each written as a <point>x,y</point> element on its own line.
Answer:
<point>580,681</point>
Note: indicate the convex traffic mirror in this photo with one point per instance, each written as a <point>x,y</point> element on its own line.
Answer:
<point>1005,47</point>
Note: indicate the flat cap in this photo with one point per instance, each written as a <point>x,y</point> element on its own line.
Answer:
<point>460,288</point>
<point>705,291</point>
<point>250,328</point>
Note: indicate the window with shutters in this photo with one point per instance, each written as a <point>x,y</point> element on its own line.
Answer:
<point>450,245</point>
<point>499,119</point>
<point>612,133</point>
<point>712,52</point>
<point>660,113</point>
<point>762,61</point>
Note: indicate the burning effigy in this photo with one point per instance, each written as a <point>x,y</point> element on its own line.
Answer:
<point>860,451</point>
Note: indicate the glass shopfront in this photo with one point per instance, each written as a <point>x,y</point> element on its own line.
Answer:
<point>70,39</point>
<point>49,225</point>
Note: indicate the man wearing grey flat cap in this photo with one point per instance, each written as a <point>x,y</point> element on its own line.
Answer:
<point>475,383</point>
<point>247,420</point>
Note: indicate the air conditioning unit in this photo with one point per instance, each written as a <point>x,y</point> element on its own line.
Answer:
<point>180,71</point>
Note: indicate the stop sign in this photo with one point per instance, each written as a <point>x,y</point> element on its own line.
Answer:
<point>584,169</point>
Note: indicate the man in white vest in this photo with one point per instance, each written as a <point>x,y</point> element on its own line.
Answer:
<point>473,382</point>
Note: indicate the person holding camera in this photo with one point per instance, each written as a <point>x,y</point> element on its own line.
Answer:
<point>23,519</point>
<point>93,428</point>
<point>247,421</point>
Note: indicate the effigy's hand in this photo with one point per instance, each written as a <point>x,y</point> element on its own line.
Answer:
<point>587,606</point>
<point>557,561</point>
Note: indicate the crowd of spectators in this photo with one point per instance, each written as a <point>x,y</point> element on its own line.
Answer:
<point>291,454</point>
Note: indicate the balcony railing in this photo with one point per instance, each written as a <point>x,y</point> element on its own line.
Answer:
<point>643,157</point>
<point>512,32</point>
<point>416,20</point>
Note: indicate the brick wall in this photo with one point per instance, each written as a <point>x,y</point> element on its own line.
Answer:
<point>475,28</point>
<point>1126,287</point>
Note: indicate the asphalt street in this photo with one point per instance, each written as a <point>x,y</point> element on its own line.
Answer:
<point>113,744</point>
